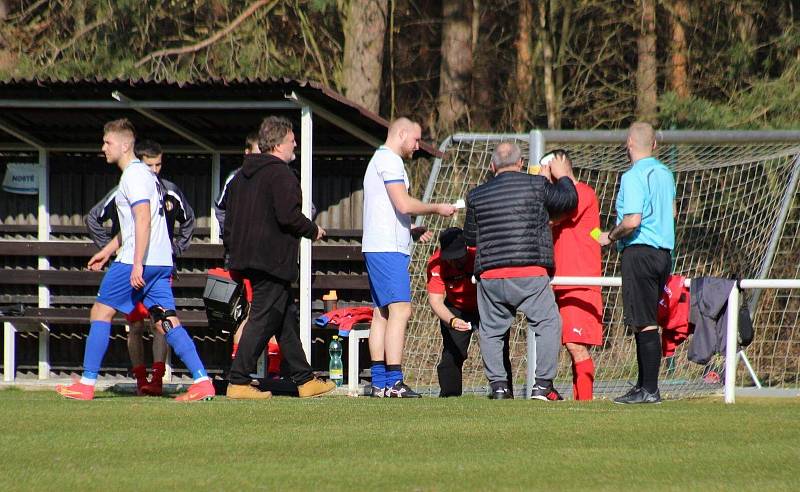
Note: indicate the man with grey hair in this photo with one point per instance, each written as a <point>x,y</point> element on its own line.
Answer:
<point>508,221</point>
<point>263,227</point>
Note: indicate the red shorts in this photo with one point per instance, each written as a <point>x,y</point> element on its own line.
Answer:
<point>139,313</point>
<point>581,315</point>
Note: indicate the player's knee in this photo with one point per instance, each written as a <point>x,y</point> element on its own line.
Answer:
<point>400,310</point>
<point>166,318</point>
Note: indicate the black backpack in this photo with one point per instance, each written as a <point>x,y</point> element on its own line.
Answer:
<point>746,330</point>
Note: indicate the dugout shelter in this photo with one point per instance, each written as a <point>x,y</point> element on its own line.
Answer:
<point>53,129</point>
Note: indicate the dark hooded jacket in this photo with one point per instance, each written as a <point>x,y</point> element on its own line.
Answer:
<point>264,221</point>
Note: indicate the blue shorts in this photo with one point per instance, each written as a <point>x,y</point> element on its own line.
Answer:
<point>389,280</point>
<point>116,290</point>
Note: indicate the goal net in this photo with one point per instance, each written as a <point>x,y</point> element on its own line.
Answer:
<point>738,216</point>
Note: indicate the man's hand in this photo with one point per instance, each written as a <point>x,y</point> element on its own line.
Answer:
<point>445,209</point>
<point>558,167</point>
<point>97,261</point>
<point>421,234</point>
<point>460,325</point>
<point>320,233</point>
<point>137,276</point>
<point>603,239</point>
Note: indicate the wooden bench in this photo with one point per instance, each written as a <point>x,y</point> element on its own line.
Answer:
<point>40,319</point>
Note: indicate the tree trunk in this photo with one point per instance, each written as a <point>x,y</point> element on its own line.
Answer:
<point>456,67</point>
<point>523,75</point>
<point>482,83</point>
<point>679,79</point>
<point>646,95</point>
<point>550,99</point>
<point>364,33</point>
<point>7,58</point>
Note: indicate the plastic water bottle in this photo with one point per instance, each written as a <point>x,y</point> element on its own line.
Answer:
<point>335,369</point>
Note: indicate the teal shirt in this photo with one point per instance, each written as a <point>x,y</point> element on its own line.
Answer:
<point>648,188</point>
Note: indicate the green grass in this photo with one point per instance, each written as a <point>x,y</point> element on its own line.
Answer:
<point>127,443</point>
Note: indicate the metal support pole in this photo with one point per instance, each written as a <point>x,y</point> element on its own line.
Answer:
<point>306,149</point>
<point>732,332</point>
<point>788,197</point>
<point>215,177</point>
<point>536,145</point>
<point>437,166</point>
<point>43,262</point>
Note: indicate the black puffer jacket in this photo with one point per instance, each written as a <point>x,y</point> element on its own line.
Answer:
<point>507,219</point>
<point>264,224</point>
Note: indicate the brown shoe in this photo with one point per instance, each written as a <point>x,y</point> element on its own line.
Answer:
<point>246,392</point>
<point>315,387</point>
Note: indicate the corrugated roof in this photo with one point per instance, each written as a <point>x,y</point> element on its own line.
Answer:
<point>224,128</point>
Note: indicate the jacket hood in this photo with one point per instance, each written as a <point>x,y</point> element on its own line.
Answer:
<point>254,163</point>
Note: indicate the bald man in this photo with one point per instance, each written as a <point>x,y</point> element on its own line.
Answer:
<point>386,245</point>
<point>645,234</point>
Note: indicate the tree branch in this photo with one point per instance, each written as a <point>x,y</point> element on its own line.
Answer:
<point>85,30</point>
<point>209,41</point>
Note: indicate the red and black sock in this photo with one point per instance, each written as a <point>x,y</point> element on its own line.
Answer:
<point>140,373</point>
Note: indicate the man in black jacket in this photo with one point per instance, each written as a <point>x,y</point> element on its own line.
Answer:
<point>507,219</point>
<point>263,227</point>
<point>176,211</point>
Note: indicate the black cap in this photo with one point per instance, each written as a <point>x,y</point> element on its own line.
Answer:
<point>452,244</point>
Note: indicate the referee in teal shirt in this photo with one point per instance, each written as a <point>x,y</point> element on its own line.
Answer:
<point>645,234</point>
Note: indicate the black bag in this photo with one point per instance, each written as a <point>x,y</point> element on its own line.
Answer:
<point>746,331</point>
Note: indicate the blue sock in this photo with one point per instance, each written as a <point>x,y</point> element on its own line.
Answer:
<point>394,373</point>
<point>378,374</point>
<point>182,344</point>
<point>96,346</point>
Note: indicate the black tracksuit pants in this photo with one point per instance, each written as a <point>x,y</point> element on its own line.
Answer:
<point>455,345</point>
<point>272,312</point>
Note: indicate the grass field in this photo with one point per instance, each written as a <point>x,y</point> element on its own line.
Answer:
<point>129,443</point>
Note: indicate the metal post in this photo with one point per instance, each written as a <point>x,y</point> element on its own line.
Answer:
<point>43,262</point>
<point>536,145</point>
<point>43,220</point>
<point>306,149</point>
<point>215,176</point>
<point>732,332</point>
<point>437,166</point>
<point>788,197</point>
<point>9,352</point>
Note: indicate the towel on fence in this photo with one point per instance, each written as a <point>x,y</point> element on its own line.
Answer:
<point>673,314</point>
<point>345,318</point>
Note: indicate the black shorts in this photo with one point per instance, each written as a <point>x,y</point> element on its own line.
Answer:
<point>644,273</point>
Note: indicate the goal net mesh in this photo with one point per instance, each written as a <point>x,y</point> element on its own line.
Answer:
<point>730,201</point>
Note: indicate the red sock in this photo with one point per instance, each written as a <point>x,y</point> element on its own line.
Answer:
<point>583,380</point>
<point>140,373</point>
<point>159,368</point>
<point>235,349</point>
<point>273,358</point>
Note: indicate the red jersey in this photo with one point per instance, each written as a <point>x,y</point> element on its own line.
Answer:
<point>575,251</point>
<point>456,284</point>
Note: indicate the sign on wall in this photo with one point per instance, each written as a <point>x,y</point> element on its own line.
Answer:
<point>21,178</point>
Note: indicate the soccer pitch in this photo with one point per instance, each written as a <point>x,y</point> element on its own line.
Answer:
<point>340,443</point>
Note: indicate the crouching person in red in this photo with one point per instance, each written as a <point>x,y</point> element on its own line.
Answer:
<point>454,299</point>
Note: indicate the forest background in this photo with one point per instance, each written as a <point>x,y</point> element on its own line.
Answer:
<point>479,65</point>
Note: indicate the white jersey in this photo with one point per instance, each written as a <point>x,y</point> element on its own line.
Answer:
<point>385,229</point>
<point>139,184</point>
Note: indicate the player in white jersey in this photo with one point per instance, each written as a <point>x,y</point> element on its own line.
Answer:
<point>140,273</point>
<point>386,245</point>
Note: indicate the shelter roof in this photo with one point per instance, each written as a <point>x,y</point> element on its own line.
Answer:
<point>201,115</point>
